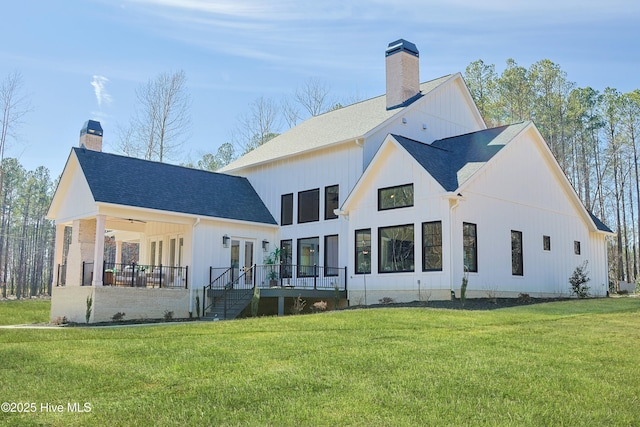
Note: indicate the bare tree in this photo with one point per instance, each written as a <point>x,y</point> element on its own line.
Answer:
<point>313,97</point>
<point>258,126</point>
<point>162,121</point>
<point>14,104</point>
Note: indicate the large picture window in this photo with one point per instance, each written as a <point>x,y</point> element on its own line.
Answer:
<point>331,255</point>
<point>516,253</point>
<point>432,246</point>
<point>395,197</point>
<point>308,256</point>
<point>363,251</point>
<point>470,246</point>
<point>395,249</point>
<point>286,209</point>
<point>331,201</point>
<point>308,205</point>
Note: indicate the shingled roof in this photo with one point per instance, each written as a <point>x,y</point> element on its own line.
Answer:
<point>452,161</point>
<point>343,124</point>
<point>128,181</point>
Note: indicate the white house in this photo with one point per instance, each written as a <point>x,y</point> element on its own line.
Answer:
<point>398,196</point>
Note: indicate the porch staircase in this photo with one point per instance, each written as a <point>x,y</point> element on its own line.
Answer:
<point>227,296</point>
<point>236,300</point>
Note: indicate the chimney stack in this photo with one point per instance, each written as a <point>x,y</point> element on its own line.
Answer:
<point>91,136</point>
<point>403,73</point>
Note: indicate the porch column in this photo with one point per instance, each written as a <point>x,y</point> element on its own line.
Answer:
<point>118,251</point>
<point>280,306</point>
<point>98,254</point>
<point>57,253</point>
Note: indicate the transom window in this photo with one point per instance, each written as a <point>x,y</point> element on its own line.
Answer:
<point>432,246</point>
<point>395,249</point>
<point>395,197</point>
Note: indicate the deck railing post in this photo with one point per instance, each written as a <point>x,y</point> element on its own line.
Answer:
<point>345,278</point>
<point>133,274</point>
<point>315,276</point>
<point>82,278</point>
<point>186,277</point>
<point>160,279</point>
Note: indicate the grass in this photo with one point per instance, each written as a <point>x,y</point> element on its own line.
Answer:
<point>564,363</point>
<point>18,312</point>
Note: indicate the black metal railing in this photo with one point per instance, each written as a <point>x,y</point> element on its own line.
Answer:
<point>229,287</point>
<point>138,275</point>
<point>301,276</point>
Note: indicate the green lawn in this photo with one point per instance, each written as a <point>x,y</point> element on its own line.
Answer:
<point>565,363</point>
<point>24,311</point>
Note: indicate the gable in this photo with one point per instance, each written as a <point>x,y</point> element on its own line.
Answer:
<point>132,182</point>
<point>72,198</point>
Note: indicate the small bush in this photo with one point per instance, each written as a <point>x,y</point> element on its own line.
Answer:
<point>524,297</point>
<point>87,314</point>
<point>319,306</point>
<point>117,317</point>
<point>579,279</point>
<point>60,320</point>
<point>168,315</point>
<point>463,288</point>
<point>298,305</point>
<point>386,300</point>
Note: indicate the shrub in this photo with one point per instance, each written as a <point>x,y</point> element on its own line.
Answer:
<point>198,306</point>
<point>298,305</point>
<point>463,288</point>
<point>87,314</point>
<point>168,315</point>
<point>319,306</point>
<point>117,317</point>
<point>60,320</point>
<point>386,300</point>
<point>579,279</point>
<point>524,297</point>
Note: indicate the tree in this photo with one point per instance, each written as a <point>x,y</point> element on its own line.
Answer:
<point>258,126</point>
<point>211,162</point>
<point>515,95</point>
<point>481,81</point>
<point>14,104</point>
<point>312,96</point>
<point>161,121</point>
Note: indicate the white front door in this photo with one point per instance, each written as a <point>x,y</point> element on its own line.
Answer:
<point>242,259</point>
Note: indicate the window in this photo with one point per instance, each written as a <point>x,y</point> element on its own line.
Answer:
<point>286,209</point>
<point>546,243</point>
<point>363,251</point>
<point>432,246</point>
<point>395,197</point>
<point>308,205</point>
<point>331,255</point>
<point>516,253</point>
<point>307,256</point>
<point>395,249</point>
<point>286,258</point>
<point>330,202</point>
<point>576,247</point>
<point>470,246</point>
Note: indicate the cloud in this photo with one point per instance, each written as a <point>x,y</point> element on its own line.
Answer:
<point>99,83</point>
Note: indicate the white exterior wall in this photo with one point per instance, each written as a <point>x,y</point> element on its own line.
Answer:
<point>444,112</point>
<point>398,168</point>
<point>516,191</point>
<point>338,165</point>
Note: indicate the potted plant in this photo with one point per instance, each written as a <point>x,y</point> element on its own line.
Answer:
<point>273,261</point>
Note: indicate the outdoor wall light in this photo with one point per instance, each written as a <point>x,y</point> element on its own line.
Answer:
<point>265,245</point>
<point>225,241</point>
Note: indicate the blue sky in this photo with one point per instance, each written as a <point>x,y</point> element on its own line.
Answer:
<point>84,59</point>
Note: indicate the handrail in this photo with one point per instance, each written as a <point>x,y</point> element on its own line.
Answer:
<point>210,288</point>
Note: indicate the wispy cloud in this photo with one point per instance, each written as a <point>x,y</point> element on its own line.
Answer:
<point>99,87</point>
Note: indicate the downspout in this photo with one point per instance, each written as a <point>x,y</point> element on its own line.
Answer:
<point>453,203</point>
<point>195,224</point>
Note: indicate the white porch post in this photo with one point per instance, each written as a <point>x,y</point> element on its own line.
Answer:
<point>98,254</point>
<point>118,251</point>
<point>57,254</point>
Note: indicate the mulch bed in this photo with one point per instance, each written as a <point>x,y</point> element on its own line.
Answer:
<point>470,304</point>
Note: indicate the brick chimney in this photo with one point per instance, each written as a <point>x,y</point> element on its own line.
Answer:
<point>91,136</point>
<point>403,73</point>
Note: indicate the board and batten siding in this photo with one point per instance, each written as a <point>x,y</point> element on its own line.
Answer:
<point>520,189</point>
<point>394,167</point>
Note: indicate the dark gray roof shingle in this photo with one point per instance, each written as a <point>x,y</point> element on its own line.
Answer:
<point>141,183</point>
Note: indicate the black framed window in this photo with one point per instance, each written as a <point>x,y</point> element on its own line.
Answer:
<point>363,251</point>
<point>331,255</point>
<point>308,256</point>
<point>395,249</point>
<point>286,258</point>
<point>331,201</point>
<point>286,209</point>
<point>517,268</point>
<point>432,246</point>
<point>576,247</point>
<point>395,197</point>
<point>308,205</point>
<point>546,243</point>
<point>470,246</point>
